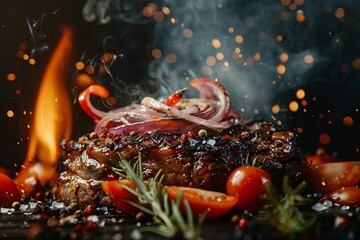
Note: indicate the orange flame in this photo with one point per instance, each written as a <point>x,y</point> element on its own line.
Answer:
<point>52,120</point>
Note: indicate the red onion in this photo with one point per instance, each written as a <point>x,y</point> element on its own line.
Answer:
<point>164,125</point>
<point>209,89</point>
<point>173,111</point>
<point>174,114</point>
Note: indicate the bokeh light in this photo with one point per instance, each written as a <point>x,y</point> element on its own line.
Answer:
<point>156,53</point>
<point>348,121</point>
<point>275,109</point>
<point>300,93</point>
<point>324,138</point>
<point>309,59</point>
<point>216,43</point>
<point>293,106</point>
<point>11,77</point>
<point>79,65</point>
<point>281,69</point>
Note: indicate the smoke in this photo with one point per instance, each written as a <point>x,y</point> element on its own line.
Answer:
<point>234,42</point>
<point>259,50</point>
<point>104,11</point>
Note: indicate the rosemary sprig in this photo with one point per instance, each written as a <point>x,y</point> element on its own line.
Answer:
<point>283,213</point>
<point>153,200</point>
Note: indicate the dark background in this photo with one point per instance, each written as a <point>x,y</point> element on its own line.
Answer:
<point>331,83</point>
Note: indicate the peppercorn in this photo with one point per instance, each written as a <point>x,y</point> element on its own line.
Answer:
<point>202,133</point>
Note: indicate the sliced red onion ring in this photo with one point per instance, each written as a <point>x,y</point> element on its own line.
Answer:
<point>206,108</point>
<point>169,125</point>
<point>175,115</point>
<point>210,89</point>
<point>173,111</point>
<point>127,115</point>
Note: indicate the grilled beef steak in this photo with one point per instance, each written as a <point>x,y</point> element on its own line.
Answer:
<point>184,159</point>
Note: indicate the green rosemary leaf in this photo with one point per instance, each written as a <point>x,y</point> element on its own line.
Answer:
<point>282,212</point>
<point>178,217</point>
<point>189,214</point>
<point>165,201</point>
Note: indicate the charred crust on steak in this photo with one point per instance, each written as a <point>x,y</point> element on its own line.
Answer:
<point>184,159</point>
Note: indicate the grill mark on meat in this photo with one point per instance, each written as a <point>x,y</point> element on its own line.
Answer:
<point>194,161</point>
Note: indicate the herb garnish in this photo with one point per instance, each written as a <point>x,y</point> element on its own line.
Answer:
<point>153,200</point>
<point>283,213</point>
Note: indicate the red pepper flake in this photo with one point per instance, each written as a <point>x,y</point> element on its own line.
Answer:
<point>243,223</point>
<point>112,176</point>
<point>116,138</point>
<point>102,135</point>
<point>226,137</point>
<point>185,137</point>
<point>191,134</point>
<point>90,226</point>
<point>89,209</point>
<point>85,227</point>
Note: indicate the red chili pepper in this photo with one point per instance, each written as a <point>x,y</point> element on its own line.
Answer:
<point>174,98</point>
<point>84,100</point>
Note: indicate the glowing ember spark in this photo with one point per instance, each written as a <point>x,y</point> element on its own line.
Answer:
<point>52,121</point>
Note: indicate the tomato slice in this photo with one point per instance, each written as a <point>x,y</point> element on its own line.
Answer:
<point>201,200</point>
<point>115,190</point>
<point>247,183</point>
<point>28,183</point>
<point>8,191</point>
<point>328,177</point>
<point>345,196</point>
<point>33,176</point>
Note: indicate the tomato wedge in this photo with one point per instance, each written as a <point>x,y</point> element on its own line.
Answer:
<point>316,159</point>
<point>201,200</point>
<point>345,196</point>
<point>115,190</point>
<point>328,177</point>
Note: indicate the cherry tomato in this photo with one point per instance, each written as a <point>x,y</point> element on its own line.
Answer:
<point>5,171</point>
<point>247,183</point>
<point>345,196</point>
<point>116,192</point>
<point>201,200</point>
<point>8,191</point>
<point>329,177</point>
